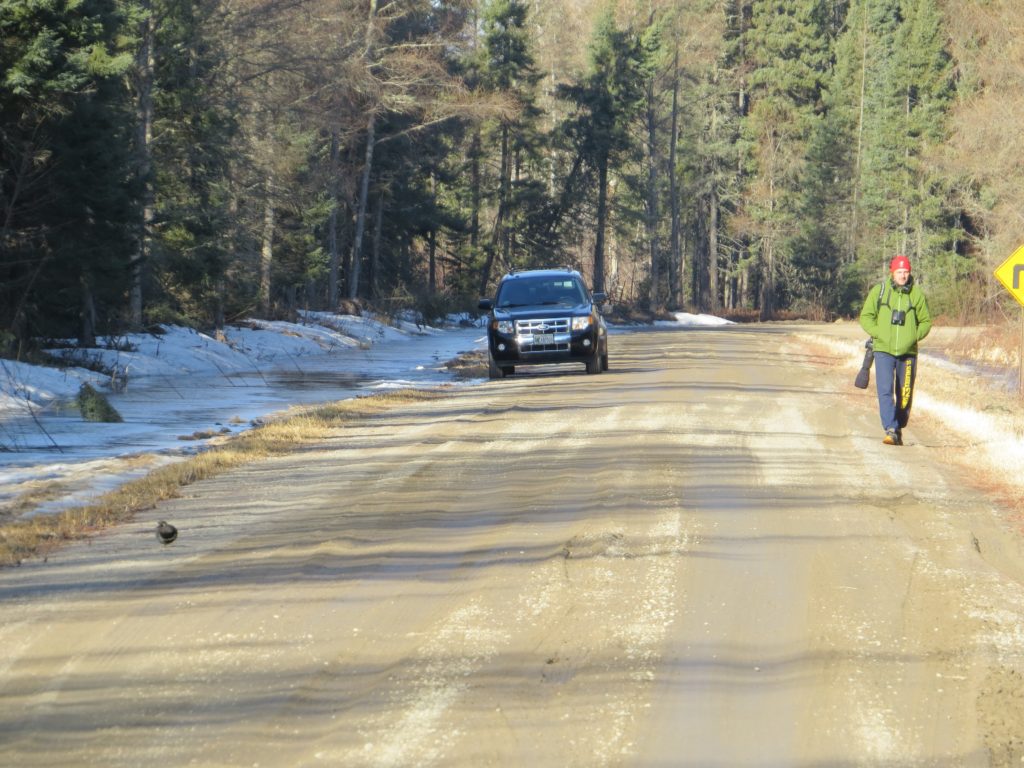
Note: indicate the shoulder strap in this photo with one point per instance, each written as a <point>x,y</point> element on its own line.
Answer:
<point>881,292</point>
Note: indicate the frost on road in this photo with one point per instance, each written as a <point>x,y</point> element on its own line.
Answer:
<point>704,556</point>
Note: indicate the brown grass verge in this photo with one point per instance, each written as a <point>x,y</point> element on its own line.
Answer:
<point>470,365</point>
<point>37,493</point>
<point>36,537</point>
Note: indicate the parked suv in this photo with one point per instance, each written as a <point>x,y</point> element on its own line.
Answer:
<point>545,316</point>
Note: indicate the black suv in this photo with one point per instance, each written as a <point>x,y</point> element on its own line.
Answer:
<point>545,316</point>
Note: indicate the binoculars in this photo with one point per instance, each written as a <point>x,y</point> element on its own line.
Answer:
<point>899,316</point>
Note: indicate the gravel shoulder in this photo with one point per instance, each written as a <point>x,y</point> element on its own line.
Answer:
<point>704,556</point>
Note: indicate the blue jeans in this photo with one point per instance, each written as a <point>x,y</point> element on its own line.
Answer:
<point>894,379</point>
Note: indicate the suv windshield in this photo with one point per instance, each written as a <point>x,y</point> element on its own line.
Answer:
<point>548,291</point>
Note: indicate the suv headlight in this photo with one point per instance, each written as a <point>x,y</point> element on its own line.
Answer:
<point>581,323</point>
<point>504,326</point>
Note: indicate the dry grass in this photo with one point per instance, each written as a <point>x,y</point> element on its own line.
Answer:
<point>21,539</point>
<point>471,365</point>
<point>35,493</point>
<point>996,344</point>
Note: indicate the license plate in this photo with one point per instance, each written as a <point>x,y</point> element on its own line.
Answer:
<point>543,338</point>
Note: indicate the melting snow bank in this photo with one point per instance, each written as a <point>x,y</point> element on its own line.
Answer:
<point>685,318</point>
<point>178,389</point>
<point>254,345</point>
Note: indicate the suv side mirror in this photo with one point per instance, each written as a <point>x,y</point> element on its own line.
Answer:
<point>486,304</point>
<point>600,297</point>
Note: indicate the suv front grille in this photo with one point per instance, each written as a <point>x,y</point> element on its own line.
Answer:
<point>550,334</point>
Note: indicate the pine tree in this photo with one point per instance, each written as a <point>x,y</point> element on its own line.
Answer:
<point>819,280</point>
<point>66,199</point>
<point>890,94</point>
<point>930,219</point>
<point>193,131</point>
<point>714,101</point>
<point>788,48</point>
<point>607,100</point>
<point>505,67</point>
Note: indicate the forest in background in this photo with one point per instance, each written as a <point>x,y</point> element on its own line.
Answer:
<point>200,161</point>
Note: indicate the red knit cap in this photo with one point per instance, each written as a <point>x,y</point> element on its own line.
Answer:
<point>899,262</point>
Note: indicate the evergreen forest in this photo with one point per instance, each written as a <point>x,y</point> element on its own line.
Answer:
<point>201,161</point>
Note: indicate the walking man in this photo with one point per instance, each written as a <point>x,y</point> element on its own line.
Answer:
<point>896,316</point>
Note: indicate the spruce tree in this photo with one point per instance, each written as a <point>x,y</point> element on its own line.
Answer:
<point>711,149</point>
<point>890,94</point>
<point>505,67</point>
<point>194,124</point>
<point>607,100</point>
<point>930,219</point>
<point>788,49</point>
<point>66,200</point>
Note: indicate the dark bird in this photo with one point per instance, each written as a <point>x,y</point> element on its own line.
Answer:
<point>166,532</point>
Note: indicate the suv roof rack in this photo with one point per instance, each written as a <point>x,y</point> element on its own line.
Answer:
<point>564,268</point>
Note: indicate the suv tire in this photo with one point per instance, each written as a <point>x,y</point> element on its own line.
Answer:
<point>494,372</point>
<point>594,364</point>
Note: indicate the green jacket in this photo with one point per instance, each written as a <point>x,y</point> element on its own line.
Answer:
<point>876,317</point>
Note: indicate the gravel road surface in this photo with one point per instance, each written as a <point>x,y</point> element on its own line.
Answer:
<point>703,557</point>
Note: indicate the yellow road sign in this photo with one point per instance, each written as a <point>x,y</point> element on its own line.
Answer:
<point>1011,274</point>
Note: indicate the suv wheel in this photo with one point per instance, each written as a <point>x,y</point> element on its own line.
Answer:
<point>494,372</point>
<point>594,364</point>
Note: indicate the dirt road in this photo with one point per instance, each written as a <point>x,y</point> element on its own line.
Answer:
<point>704,557</point>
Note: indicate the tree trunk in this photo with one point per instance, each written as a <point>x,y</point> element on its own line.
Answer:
<point>676,258</point>
<point>699,269</point>
<point>745,288</point>
<point>517,178</point>
<point>364,193</point>
<point>267,249</point>
<point>500,229</point>
<point>768,282</point>
<point>602,215</point>
<point>144,161</point>
<point>713,271</point>
<point>498,240</point>
<point>364,184</point>
<point>432,261</point>
<point>87,315</point>
<point>904,246</point>
<point>474,171</point>
<point>852,242</point>
<point>485,270</point>
<point>333,253</point>
<point>432,244</point>
<point>695,298</point>
<point>652,199</point>
<point>378,230</point>
<point>221,284</point>
<point>474,216</point>
<point>218,307</point>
